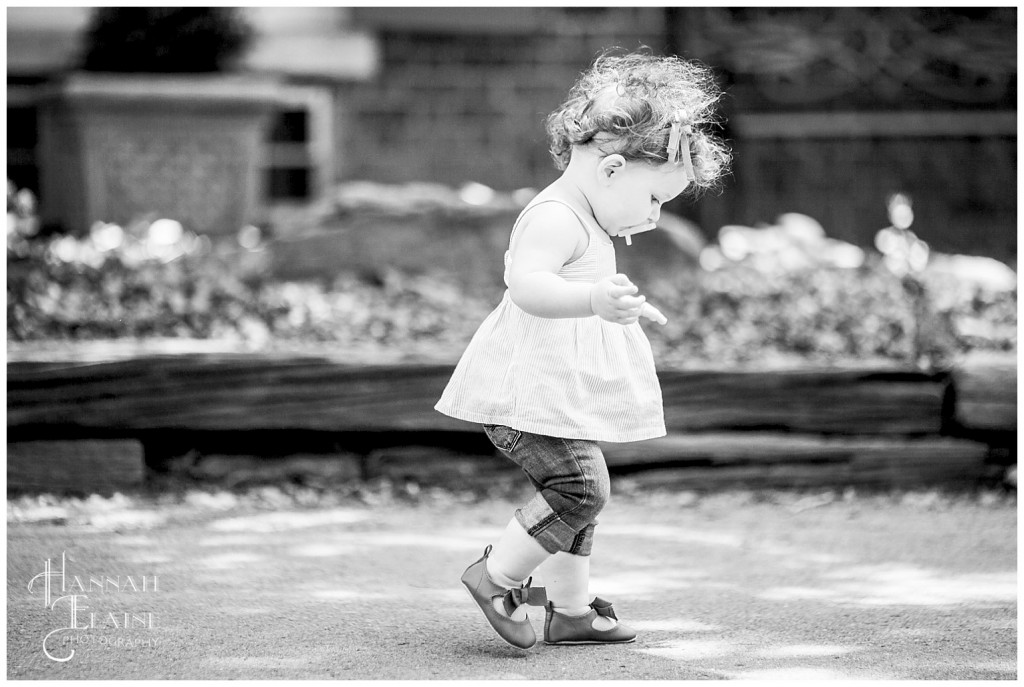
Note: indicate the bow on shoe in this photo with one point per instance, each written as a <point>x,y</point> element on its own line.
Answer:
<point>604,608</point>
<point>532,596</point>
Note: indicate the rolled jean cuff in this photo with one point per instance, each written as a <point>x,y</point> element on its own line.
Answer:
<point>541,523</point>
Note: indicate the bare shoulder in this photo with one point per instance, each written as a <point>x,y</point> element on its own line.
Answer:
<point>553,223</point>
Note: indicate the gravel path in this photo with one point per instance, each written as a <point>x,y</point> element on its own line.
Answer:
<point>733,585</point>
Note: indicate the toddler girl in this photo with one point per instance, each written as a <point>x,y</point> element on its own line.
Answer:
<point>562,362</point>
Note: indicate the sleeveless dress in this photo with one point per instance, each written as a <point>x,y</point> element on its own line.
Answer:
<point>575,378</point>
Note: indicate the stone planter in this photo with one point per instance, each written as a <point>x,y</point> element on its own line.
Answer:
<point>115,147</point>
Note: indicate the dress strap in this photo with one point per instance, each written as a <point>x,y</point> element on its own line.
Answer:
<point>583,219</point>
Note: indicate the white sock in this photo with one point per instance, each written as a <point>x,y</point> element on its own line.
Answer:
<point>502,579</point>
<point>567,579</point>
<point>512,559</point>
<point>573,612</point>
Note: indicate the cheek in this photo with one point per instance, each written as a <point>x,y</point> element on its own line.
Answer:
<point>632,212</point>
<point>628,214</point>
<point>644,210</point>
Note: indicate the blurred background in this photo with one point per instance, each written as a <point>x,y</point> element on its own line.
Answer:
<point>370,139</point>
<point>247,246</point>
<point>344,179</point>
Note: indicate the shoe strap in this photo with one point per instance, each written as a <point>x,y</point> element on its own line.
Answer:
<point>603,608</point>
<point>531,596</point>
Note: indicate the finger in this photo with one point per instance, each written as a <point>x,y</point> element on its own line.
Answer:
<point>651,313</point>
<point>620,279</point>
<point>621,291</point>
<point>629,303</point>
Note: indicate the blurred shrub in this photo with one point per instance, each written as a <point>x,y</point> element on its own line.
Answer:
<point>164,39</point>
<point>152,279</point>
<point>60,292</point>
<point>818,314</point>
<point>63,290</point>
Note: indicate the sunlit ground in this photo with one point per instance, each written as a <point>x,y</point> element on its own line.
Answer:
<point>723,586</point>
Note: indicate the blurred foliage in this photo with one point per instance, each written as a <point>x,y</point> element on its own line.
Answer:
<point>739,314</point>
<point>821,315</point>
<point>153,279</point>
<point>207,294</point>
<point>164,39</point>
<point>145,282</point>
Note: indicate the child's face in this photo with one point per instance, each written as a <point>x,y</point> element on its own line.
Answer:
<point>631,193</point>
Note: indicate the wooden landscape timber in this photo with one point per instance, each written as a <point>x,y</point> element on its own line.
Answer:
<point>794,427</point>
<point>986,392</point>
<point>830,401</point>
<point>764,459</point>
<point>253,391</point>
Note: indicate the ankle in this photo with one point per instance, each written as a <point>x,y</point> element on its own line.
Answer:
<point>501,579</point>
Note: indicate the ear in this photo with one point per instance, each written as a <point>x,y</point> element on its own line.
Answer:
<point>610,167</point>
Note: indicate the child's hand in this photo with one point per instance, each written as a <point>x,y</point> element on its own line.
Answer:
<point>651,313</point>
<point>613,299</point>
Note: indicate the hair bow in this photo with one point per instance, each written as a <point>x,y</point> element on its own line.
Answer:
<point>677,134</point>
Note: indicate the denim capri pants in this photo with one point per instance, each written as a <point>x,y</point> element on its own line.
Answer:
<point>571,479</point>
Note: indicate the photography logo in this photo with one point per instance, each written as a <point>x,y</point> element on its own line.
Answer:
<point>68,596</point>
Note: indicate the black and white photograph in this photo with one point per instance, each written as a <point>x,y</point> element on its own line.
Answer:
<point>527,343</point>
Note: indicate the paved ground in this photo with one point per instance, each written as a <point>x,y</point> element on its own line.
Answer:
<point>726,586</point>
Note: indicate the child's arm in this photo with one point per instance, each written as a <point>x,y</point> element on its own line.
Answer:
<point>543,245</point>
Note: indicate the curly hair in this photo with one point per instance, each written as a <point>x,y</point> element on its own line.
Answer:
<point>626,104</point>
